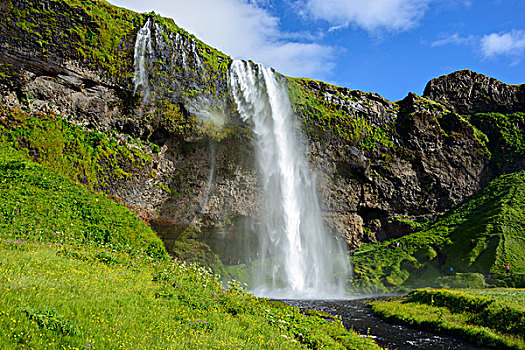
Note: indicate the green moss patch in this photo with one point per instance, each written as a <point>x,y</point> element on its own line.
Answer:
<point>323,120</point>
<point>506,134</point>
<point>87,157</point>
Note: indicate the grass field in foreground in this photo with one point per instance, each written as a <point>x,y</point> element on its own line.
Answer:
<point>59,297</point>
<point>493,318</point>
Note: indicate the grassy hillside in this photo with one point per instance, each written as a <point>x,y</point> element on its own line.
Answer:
<point>39,205</point>
<point>79,271</point>
<point>491,318</point>
<point>55,297</point>
<point>480,236</point>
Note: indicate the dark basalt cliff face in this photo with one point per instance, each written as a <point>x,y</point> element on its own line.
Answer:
<point>381,166</point>
<point>467,92</point>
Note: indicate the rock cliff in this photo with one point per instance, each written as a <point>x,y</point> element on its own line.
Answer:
<point>467,92</point>
<point>382,167</point>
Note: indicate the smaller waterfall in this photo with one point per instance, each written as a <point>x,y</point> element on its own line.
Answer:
<point>160,53</point>
<point>211,178</point>
<point>298,258</point>
<point>196,56</point>
<point>143,52</point>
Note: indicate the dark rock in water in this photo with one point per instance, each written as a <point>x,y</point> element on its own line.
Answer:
<point>468,92</point>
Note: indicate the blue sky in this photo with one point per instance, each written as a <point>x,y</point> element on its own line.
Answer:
<point>389,47</point>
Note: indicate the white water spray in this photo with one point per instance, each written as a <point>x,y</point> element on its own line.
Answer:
<point>143,51</point>
<point>299,259</point>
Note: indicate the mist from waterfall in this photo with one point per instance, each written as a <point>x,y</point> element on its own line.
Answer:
<point>298,258</point>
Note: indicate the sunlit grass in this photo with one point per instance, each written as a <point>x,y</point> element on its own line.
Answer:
<point>490,318</point>
<point>141,304</point>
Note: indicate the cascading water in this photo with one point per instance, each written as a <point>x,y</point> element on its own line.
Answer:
<point>143,50</point>
<point>295,256</point>
<point>298,258</point>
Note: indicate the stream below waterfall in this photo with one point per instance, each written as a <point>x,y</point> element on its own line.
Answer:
<point>357,315</point>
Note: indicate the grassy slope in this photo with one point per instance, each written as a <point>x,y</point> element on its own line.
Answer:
<point>40,205</point>
<point>494,318</point>
<point>482,235</point>
<point>79,271</point>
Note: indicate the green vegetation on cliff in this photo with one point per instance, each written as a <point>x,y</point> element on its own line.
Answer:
<point>493,318</point>
<point>94,32</point>
<point>506,135</point>
<point>87,157</point>
<point>323,119</point>
<point>480,236</point>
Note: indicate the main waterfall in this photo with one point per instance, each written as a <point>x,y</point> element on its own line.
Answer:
<point>298,259</point>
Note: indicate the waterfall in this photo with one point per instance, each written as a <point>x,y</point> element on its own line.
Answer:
<point>211,176</point>
<point>298,258</point>
<point>143,50</point>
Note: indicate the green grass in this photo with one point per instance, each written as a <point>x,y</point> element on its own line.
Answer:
<point>492,318</point>
<point>40,205</point>
<point>60,297</point>
<point>480,236</point>
<point>515,297</point>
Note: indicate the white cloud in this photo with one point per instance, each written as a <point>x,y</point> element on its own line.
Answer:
<point>371,15</point>
<point>243,29</point>
<point>506,44</point>
<point>296,59</point>
<point>455,39</point>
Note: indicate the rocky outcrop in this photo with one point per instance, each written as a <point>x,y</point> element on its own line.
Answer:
<point>467,92</point>
<point>378,110</point>
<point>424,160</point>
<point>67,89</point>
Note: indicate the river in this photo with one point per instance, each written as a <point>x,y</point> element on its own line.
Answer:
<point>357,315</point>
